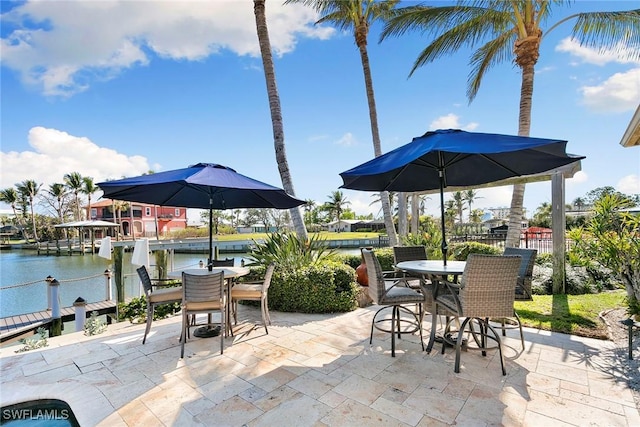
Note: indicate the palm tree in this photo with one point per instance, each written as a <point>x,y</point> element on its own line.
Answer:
<point>512,28</point>
<point>458,202</point>
<point>579,203</point>
<point>29,189</point>
<point>336,203</point>
<point>470,196</point>
<point>58,191</point>
<point>88,188</point>
<point>74,183</point>
<point>276,114</point>
<point>357,16</point>
<point>10,197</point>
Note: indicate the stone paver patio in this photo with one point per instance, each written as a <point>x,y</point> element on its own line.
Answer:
<point>319,370</point>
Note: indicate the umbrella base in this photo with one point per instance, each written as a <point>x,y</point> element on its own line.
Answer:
<point>207,332</point>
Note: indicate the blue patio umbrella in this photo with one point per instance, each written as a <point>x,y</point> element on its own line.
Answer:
<point>456,158</point>
<point>205,186</point>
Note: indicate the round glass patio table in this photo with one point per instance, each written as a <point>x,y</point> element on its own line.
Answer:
<point>229,273</point>
<point>435,270</point>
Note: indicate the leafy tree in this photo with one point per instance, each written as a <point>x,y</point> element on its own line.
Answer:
<point>542,216</point>
<point>276,113</point>
<point>612,239</point>
<point>74,183</point>
<point>336,204</point>
<point>88,188</point>
<point>10,197</point>
<point>357,16</point>
<point>29,189</point>
<point>458,201</point>
<point>470,196</point>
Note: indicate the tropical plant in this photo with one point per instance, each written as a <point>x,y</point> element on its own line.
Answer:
<point>276,113</point>
<point>74,182</point>
<point>94,326</point>
<point>470,196</point>
<point>335,205</point>
<point>289,252</point>
<point>29,189</point>
<point>88,188</point>
<point>611,238</point>
<point>459,201</point>
<point>511,28</point>
<point>10,197</point>
<point>39,341</point>
<point>357,16</point>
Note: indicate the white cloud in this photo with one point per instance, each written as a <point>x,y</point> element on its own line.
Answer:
<point>347,140</point>
<point>583,54</point>
<point>75,42</point>
<point>57,153</point>
<point>618,93</point>
<point>451,121</point>
<point>630,184</point>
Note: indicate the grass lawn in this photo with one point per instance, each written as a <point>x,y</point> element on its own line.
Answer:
<point>324,235</point>
<point>571,314</point>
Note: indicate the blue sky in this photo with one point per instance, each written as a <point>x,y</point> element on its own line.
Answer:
<point>112,89</point>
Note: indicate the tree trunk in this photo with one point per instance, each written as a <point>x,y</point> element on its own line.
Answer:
<point>402,214</point>
<point>276,114</point>
<point>373,118</point>
<point>415,213</point>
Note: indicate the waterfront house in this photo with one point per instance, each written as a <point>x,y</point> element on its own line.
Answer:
<point>141,218</point>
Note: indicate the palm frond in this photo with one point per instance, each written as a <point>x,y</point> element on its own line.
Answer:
<point>618,31</point>
<point>492,53</point>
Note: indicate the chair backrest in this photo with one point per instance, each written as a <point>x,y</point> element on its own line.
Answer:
<point>409,253</point>
<point>374,273</point>
<point>227,262</point>
<point>487,285</point>
<point>525,274</point>
<point>202,287</point>
<point>267,277</point>
<point>145,279</point>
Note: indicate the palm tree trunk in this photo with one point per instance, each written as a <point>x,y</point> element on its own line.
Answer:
<point>415,213</point>
<point>276,114</point>
<point>373,118</point>
<point>402,214</point>
<point>33,221</point>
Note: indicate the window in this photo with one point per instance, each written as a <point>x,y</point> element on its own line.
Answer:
<point>177,212</point>
<point>147,211</point>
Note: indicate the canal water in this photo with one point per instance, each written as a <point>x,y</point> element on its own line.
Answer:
<point>23,273</point>
<point>79,276</point>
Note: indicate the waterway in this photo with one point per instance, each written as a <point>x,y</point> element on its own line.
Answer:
<point>18,267</point>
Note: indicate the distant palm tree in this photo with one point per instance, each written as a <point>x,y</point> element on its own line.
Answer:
<point>74,183</point>
<point>470,196</point>
<point>337,202</point>
<point>10,197</point>
<point>579,203</point>
<point>88,188</point>
<point>29,188</point>
<point>458,201</point>
<point>276,114</point>
<point>357,16</point>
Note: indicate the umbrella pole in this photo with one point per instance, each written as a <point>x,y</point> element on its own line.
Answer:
<point>442,224</point>
<point>210,263</point>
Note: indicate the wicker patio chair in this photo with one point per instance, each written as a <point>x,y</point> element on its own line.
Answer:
<point>387,294</point>
<point>525,275</point>
<point>254,291</point>
<point>485,291</point>
<point>162,294</point>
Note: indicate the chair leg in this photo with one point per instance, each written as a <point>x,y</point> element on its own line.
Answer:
<point>183,338</point>
<point>432,334</point>
<point>264,316</point>
<point>149,320</point>
<point>223,328</point>
<point>499,341</point>
<point>395,316</point>
<point>463,326</point>
<point>519,327</point>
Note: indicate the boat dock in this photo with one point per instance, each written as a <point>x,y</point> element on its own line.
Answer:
<point>17,327</point>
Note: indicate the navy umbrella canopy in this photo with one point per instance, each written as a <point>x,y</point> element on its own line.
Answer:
<point>456,158</point>
<point>205,186</point>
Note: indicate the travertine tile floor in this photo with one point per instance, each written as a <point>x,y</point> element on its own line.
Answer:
<point>317,370</point>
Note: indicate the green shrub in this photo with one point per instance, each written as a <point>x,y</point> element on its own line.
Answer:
<point>136,310</point>
<point>325,287</point>
<point>94,326</point>
<point>460,251</point>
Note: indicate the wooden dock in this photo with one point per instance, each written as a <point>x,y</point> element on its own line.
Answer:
<point>17,327</point>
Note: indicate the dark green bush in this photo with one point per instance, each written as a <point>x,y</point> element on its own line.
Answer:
<point>136,310</point>
<point>325,287</point>
<point>460,251</point>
